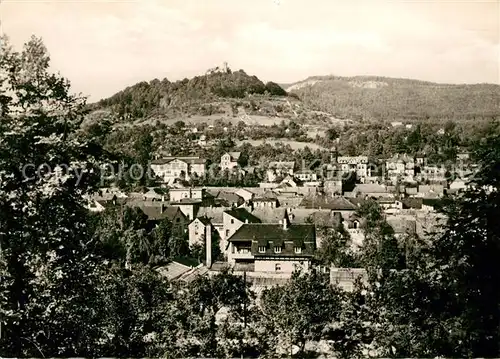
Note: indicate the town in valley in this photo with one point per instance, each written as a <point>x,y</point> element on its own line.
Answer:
<point>191,181</point>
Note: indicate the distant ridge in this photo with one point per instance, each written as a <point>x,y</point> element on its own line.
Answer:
<point>377,97</point>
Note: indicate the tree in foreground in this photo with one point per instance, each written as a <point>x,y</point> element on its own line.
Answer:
<point>49,262</point>
<point>299,311</point>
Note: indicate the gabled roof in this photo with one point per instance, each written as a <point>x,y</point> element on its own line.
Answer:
<point>266,196</point>
<point>215,214</point>
<point>173,270</point>
<point>297,233</point>
<point>229,197</point>
<point>194,273</point>
<point>203,219</point>
<point>370,188</point>
<point>155,212</point>
<point>335,203</point>
<point>243,215</point>
<point>234,155</point>
<point>269,236</point>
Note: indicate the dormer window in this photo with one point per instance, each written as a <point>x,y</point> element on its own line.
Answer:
<point>277,249</point>
<point>298,250</point>
<point>262,249</point>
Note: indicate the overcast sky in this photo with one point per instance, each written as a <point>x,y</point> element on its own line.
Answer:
<point>104,46</point>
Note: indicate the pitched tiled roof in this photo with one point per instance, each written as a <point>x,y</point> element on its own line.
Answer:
<point>265,197</point>
<point>214,213</point>
<point>190,276</point>
<point>173,270</point>
<point>370,188</point>
<point>289,201</point>
<point>203,219</point>
<point>269,215</point>
<point>155,212</point>
<point>273,232</point>
<point>228,197</point>
<point>269,236</point>
<point>243,215</point>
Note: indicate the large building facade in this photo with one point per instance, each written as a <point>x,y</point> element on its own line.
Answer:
<point>171,168</point>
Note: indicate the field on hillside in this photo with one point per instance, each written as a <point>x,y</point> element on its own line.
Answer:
<point>210,120</point>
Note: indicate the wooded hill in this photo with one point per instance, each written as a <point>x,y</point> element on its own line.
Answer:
<point>217,92</point>
<point>316,100</point>
<point>372,97</point>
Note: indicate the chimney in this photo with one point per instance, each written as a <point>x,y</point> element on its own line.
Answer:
<point>208,245</point>
<point>246,220</point>
<point>286,221</point>
<point>163,198</point>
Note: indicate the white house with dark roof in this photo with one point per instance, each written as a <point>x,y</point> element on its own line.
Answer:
<point>266,200</point>
<point>229,160</point>
<point>156,211</point>
<point>232,220</point>
<point>216,217</point>
<point>178,194</point>
<point>283,167</point>
<point>198,230</point>
<point>357,164</point>
<point>94,205</point>
<point>171,168</point>
<point>278,248</point>
<point>306,175</point>
<point>400,167</point>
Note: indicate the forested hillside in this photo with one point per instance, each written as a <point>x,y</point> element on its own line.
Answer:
<point>202,95</point>
<point>384,98</point>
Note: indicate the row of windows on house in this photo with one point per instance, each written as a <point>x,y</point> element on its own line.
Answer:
<point>262,249</point>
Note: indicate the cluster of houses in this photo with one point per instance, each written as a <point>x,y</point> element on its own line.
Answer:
<point>273,229</point>
<point>395,170</point>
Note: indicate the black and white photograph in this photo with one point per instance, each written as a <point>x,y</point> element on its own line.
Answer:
<point>250,179</point>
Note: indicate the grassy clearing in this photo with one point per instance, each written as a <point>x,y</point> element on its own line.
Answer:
<point>296,145</point>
